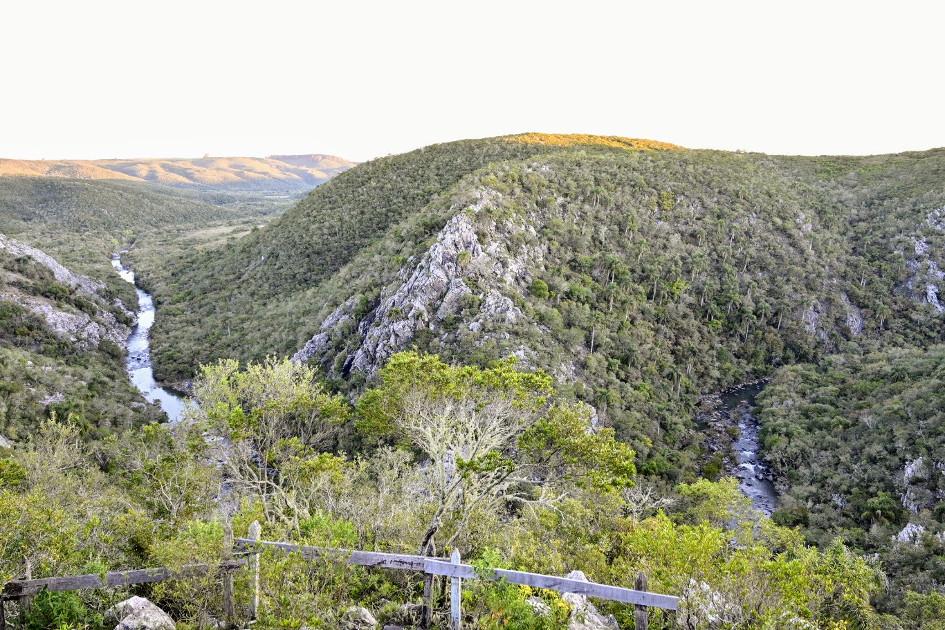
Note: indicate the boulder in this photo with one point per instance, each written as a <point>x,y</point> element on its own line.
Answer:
<point>540,606</point>
<point>584,614</point>
<point>137,613</point>
<point>358,618</point>
<point>704,607</point>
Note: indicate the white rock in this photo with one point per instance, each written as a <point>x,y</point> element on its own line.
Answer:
<point>137,613</point>
<point>584,615</point>
<point>911,533</point>
<point>702,606</point>
<point>358,618</point>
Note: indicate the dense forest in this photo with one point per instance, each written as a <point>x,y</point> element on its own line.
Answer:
<point>578,296</point>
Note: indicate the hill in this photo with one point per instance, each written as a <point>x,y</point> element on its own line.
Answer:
<point>285,173</point>
<point>84,221</point>
<point>640,275</point>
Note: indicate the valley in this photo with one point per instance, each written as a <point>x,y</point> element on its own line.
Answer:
<point>735,357</point>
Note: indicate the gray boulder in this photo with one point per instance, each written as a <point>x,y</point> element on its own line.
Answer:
<point>358,618</point>
<point>137,613</point>
<point>584,614</point>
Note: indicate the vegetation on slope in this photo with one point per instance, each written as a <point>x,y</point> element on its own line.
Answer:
<point>653,276</point>
<point>147,498</point>
<point>857,445</point>
<point>213,302</point>
<point>640,279</point>
<point>63,373</point>
<point>82,223</point>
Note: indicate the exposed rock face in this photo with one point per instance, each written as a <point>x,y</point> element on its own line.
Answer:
<point>62,274</point>
<point>811,319</point>
<point>854,316</point>
<point>916,490</point>
<point>584,615</point>
<point>540,606</point>
<point>137,613</point>
<point>77,326</point>
<point>456,274</point>
<point>911,533</point>
<point>315,346</point>
<point>926,277</point>
<point>704,607</point>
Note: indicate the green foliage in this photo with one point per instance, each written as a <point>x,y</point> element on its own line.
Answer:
<point>669,273</point>
<point>60,611</point>
<point>839,437</point>
<point>539,289</point>
<point>427,374</point>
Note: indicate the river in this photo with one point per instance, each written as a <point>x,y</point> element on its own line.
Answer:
<point>138,346</point>
<point>731,429</point>
<point>752,471</point>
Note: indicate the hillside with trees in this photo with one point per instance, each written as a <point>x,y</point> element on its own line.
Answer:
<point>500,346</point>
<point>62,339</point>
<point>641,277</point>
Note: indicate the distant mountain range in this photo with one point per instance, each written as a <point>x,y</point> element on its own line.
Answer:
<point>273,173</point>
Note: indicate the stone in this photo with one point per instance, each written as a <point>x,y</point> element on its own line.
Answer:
<point>540,606</point>
<point>584,615</point>
<point>911,533</point>
<point>358,618</point>
<point>138,613</point>
<point>702,606</point>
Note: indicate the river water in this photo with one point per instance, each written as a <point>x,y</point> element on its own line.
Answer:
<point>752,472</point>
<point>138,346</point>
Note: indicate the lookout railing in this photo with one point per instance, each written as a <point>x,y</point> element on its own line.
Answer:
<point>245,552</point>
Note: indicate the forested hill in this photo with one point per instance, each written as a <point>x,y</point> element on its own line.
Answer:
<point>640,274</point>
<point>274,173</point>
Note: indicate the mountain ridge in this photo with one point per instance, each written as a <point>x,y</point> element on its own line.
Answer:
<point>283,172</point>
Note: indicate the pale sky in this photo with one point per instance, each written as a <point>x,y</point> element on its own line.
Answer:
<point>360,79</point>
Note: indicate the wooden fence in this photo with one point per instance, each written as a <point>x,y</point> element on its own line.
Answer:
<point>251,548</point>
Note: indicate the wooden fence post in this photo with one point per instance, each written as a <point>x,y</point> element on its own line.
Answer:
<point>426,613</point>
<point>229,606</point>
<point>254,533</point>
<point>456,586</point>
<point>641,615</point>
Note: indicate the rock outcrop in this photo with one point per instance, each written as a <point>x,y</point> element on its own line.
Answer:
<point>458,276</point>
<point>358,618</point>
<point>138,613</point>
<point>88,326</point>
<point>584,614</point>
<point>62,274</point>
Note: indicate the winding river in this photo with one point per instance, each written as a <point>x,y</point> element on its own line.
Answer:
<point>752,472</point>
<point>139,351</point>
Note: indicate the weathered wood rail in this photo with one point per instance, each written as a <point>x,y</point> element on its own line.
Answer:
<point>23,590</point>
<point>251,548</point>
<point>456,572</point>
<point>446,568</point>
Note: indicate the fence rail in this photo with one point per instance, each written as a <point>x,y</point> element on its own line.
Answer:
<point>251,548</point>
<point>18,589</point>
<point>446,568</point>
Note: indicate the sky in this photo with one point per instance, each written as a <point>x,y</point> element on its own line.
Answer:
<point>96,79</point>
